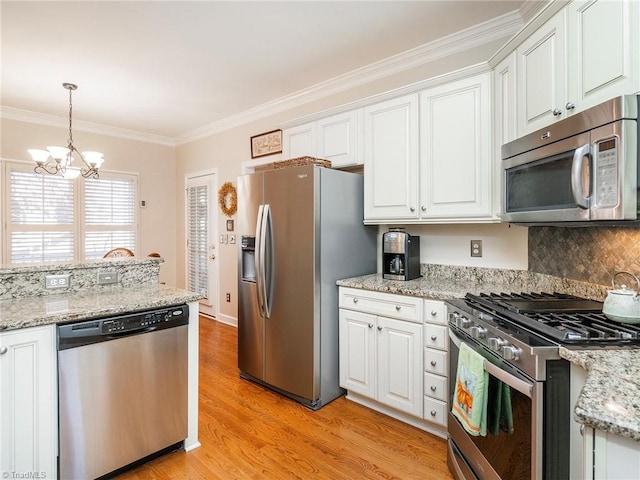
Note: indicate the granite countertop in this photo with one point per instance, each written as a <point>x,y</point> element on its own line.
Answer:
<point>610,398</point>
<point>52,309</point>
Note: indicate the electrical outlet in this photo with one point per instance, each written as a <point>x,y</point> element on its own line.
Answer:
<point>476,248</point>
<point>57,281</point>
<point>228,297</point>
<point>107,278</point>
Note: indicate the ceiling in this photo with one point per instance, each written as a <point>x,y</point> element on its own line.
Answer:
<point>170,67</point>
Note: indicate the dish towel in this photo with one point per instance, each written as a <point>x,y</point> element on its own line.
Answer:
<point>499,413</point>
<point>470,395</point>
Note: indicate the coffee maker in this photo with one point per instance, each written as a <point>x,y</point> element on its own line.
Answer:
<point>400,255</point>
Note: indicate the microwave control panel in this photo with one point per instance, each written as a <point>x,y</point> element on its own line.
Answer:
<point>606,170</point>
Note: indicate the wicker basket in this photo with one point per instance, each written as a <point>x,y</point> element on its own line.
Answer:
<point>298,162</point>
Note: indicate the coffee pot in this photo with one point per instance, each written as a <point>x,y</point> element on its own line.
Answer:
<point>623,304</point>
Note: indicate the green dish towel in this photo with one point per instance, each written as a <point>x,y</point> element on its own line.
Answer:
<point>499,413</point>
<point>470,395</point>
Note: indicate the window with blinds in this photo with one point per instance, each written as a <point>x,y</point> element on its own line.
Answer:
<point>197,241</point>
<point>109,215</point>
<point>47,222</point>
<point>41,226</point>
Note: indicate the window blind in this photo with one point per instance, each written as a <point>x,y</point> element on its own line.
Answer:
<point>197,244</point>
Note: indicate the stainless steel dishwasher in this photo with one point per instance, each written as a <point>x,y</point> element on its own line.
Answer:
<point>122,390</point>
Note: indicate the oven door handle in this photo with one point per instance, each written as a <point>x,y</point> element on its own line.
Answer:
<point>520,385</point>
<point>523,387</point>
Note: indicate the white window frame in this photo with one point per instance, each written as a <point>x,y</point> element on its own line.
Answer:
<point>79,229</point>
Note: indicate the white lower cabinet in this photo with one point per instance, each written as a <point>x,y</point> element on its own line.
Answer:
<point>380,356</point>
<point>28,403</point>
<point>436,363</point>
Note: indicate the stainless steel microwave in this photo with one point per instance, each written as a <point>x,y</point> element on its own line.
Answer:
<point>580,169</point>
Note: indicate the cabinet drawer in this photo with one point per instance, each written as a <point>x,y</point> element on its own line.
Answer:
<point>435,411</point>
<point>435,312</point>
<point>384,304</point>
<point>436,336</point>
<point>436,361</point>
<point>435,386</point>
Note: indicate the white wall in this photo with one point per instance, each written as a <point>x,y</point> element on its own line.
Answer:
<point>155,165</point>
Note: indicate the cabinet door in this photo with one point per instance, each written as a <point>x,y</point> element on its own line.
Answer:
<point>391,160</point>
<point>357,352</point>
<point>299,141</point>
<point>541,76</point>
<point>400,365</point>
<point>504,103</point>
<point>28,401</point>
<point>603,51</point>
<point>455,150</point>
<point>340,139</point>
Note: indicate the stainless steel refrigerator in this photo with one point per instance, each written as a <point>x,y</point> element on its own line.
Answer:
<point>300,230</point>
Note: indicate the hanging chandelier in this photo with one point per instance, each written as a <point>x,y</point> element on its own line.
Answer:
<point>57,160</point>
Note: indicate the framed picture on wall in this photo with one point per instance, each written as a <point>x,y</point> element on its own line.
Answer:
<point>267,143</point>
<point>229,225</point>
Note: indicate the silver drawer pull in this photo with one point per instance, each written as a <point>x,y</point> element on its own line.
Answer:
<point>371,325</point>
<point>433,363</point>
<point>398,308</point>
<point>433,388</point>
<point>434,313</point>
<point>3,350</point>
<point>379,329</point>
<point>433,413</point>
<point>355,300</point>
<point>434,337</point>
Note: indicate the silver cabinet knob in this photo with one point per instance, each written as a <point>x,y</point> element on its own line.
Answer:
<point>398,307</point>
<point>433,313</point>
<point>3,350</point>
<point>371,325</point>
<point>412,209</point>
<point>379,328</point>
<point>570,106</point>
<point>433,413</point>
<point>355,300</point>
<point>434,337</point>
<point>433,388</point>
<point>423,208</point>
<point>212,257</point>
<point>557,112</point>
<point>433,363</point>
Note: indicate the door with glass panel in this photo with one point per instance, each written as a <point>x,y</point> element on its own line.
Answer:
<point>201,225</point>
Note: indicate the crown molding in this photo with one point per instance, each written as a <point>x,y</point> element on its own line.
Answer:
<point>11,113</point>
<point>495,29</point>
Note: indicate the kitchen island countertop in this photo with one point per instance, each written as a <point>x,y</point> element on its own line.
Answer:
<point>610,398</point>
<point>52,309</point>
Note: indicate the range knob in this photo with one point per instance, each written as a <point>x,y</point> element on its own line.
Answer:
<point>496,343</point>
<point>511,352</point>
<point>461,321</point>
<point>478,331</point>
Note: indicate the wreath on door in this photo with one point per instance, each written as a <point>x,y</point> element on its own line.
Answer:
<point>228,199</point>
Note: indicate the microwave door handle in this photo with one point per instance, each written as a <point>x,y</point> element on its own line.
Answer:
<point>579,155</point>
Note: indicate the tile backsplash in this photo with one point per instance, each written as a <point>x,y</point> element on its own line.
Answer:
<point>589,254</point>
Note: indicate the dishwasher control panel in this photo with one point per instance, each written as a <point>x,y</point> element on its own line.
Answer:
<point>99,330</point>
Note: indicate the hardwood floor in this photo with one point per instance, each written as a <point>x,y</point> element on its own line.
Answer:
<point>249,432</point>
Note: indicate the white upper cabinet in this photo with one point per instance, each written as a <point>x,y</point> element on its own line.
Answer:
<point>541,76</point>
<point>504,103</point>
<point>337,138</point>
<point>299,141</point>
<point>455,150</point>
<point>587,53</point>
<point>340,139</point>
<point>391,160</point>
<point>604,50</point>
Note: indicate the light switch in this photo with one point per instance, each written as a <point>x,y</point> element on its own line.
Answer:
<point>232,238</point>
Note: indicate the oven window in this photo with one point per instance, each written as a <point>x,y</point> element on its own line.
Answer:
<point>508,453</point>
<point>543,185</point>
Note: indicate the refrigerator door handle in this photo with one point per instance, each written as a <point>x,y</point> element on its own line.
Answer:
<point>258,259</point>
<point>267,260</point>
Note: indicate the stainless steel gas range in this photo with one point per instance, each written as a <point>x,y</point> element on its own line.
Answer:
<point>519,337</point>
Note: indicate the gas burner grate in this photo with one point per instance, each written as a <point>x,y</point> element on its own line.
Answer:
<point>564,318</point>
